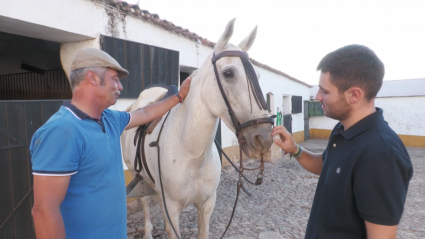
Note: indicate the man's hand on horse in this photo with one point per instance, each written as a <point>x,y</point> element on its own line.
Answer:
<point>285,140</point>
<point>154,111</point>
<point>184,88</point>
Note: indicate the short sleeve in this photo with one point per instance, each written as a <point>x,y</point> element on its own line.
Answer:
<point>122,118</point>
<point>55,151</point>
<point>380,187</point>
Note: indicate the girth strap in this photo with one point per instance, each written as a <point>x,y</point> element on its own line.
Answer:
<point>140,158</point>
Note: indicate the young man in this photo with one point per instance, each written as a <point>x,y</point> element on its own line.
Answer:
<point>365,169</point>
<point>79,187</point>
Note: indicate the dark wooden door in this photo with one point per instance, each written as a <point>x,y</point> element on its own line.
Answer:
<point>287,122</point>
<point>18,122</point>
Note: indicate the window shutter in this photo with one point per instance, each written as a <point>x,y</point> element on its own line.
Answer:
<point>297,104</point>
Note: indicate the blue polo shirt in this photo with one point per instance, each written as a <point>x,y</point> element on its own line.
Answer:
<point>88,149</point>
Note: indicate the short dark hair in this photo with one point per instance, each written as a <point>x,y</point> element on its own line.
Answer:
<point>354,65</point>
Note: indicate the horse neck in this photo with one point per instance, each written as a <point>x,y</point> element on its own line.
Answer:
<point>198,124</point>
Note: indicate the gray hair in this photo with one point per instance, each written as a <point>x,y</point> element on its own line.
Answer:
<point>78,75</point>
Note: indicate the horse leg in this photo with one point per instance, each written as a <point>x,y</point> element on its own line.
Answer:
<point>148,225</point>
<point>174,213</point>
<point>205,210</point>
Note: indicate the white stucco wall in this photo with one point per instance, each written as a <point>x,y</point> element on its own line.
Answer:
<point>68,51</point>
<point>404,115</point>
<point>322,122</point>
<point>79,23</point>
<point>71,21</point>
<point>280,86</point>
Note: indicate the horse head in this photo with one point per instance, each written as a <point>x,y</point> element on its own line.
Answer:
<point>239,84</point>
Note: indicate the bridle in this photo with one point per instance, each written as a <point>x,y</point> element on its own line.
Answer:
<point>254,87</point>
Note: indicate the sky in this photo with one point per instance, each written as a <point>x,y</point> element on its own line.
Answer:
<point>293,36</point>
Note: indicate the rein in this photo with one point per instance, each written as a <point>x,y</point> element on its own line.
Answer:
<point>156,144</point>
<point>254,88</point>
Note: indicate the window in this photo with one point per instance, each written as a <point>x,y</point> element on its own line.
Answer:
<point>297,106</point>
<point>315,109</point>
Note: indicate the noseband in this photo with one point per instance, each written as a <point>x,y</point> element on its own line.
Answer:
<point>254,88</point>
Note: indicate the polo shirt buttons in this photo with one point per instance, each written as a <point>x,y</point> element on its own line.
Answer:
<point>334,145</point>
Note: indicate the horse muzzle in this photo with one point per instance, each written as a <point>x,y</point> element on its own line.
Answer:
<point>257,141</point>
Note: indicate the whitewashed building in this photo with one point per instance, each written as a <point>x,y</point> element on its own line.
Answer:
<point>403,103</point>
<point>50,41</point>
<point>39,39</point>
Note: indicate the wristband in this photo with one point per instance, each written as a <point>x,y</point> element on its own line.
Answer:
<point>180,98</point>
<point>299,151</point>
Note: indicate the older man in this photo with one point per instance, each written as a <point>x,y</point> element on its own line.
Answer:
<point>79,188</point>
<point>365,169</point>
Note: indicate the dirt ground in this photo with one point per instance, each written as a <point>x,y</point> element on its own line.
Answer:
<point>281,204</point>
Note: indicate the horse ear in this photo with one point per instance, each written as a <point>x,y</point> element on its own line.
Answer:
<point>246,43</point>
<point>225,37</point>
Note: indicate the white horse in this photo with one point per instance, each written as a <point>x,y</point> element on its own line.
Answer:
<point>190,163</point>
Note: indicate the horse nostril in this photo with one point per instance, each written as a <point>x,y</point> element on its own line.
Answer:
<point>259,141</point>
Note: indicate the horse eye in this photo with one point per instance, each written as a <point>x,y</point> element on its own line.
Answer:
<point>228,74</point>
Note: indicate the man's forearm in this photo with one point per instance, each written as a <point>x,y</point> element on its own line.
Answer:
<point>312,162</point>
<point>376,231</point>
<point>48,223</point>
<point>158,109</point>
<point>152,112</point>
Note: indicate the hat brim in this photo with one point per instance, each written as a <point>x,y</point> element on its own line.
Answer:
<point>122,73</point>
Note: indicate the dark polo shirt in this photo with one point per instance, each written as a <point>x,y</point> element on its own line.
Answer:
<point>365,176</point>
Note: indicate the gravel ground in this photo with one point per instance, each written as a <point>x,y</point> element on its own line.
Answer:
<point>281,204</point>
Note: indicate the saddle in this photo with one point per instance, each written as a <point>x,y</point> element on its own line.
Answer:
<point>143,130</point>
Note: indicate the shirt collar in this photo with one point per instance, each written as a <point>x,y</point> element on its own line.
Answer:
<point>363,125</point>
<point>77,112</point>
